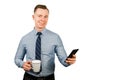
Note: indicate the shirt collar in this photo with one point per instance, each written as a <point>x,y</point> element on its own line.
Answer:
<point>43,31</point>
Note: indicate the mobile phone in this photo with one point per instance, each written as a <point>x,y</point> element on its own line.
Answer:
<point>74,51</point>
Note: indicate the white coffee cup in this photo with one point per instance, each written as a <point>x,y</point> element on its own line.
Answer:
<point>36,65</point>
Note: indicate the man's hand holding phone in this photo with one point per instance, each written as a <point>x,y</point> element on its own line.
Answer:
<point>71,60</point>
<point>72,57</point>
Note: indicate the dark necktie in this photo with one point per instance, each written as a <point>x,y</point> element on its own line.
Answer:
<point>38,47</point>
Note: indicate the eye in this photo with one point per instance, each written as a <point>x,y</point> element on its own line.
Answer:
<point>39,15</point>
<point>46,16</point>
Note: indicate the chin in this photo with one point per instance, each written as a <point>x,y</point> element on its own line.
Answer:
<point>41,28</point>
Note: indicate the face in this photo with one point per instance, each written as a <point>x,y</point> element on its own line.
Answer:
<point>41,18</point>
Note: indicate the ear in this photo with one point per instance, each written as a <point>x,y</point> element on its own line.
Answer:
<point>33,17</point>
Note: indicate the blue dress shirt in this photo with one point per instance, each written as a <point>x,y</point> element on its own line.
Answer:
<point>51,44</point>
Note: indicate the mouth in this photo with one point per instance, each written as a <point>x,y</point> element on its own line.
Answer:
<point>41,23</point>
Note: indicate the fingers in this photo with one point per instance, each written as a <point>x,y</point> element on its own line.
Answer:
<point>71,60</point>
<point>27,66</point>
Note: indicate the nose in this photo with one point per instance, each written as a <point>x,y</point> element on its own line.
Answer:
<point>42,19</point>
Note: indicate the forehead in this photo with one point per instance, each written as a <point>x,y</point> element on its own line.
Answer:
<point>41,11</point>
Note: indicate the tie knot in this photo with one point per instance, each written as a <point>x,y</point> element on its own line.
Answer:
<point>39,33</point>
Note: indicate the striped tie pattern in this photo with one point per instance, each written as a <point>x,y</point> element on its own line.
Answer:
<point>38,47</point>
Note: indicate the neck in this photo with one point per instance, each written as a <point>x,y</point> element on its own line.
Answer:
<point>39,29</point>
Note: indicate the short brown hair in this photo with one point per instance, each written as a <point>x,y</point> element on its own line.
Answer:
<point>40,6</point>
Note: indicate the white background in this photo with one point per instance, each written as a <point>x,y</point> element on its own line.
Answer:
<point>93,26</point>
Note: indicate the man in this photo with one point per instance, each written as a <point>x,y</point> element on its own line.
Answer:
<point>51,44</point>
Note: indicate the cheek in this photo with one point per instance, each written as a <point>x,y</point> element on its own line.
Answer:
<point>46,20</point>
<point>37,20</point>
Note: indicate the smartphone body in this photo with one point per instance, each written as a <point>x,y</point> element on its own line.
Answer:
<point>74,51</point>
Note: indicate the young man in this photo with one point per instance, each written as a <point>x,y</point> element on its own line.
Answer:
<point>50,44</point>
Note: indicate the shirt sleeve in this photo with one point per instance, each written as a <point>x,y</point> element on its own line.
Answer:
<point>60,52</point>
<point>20,54</point>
